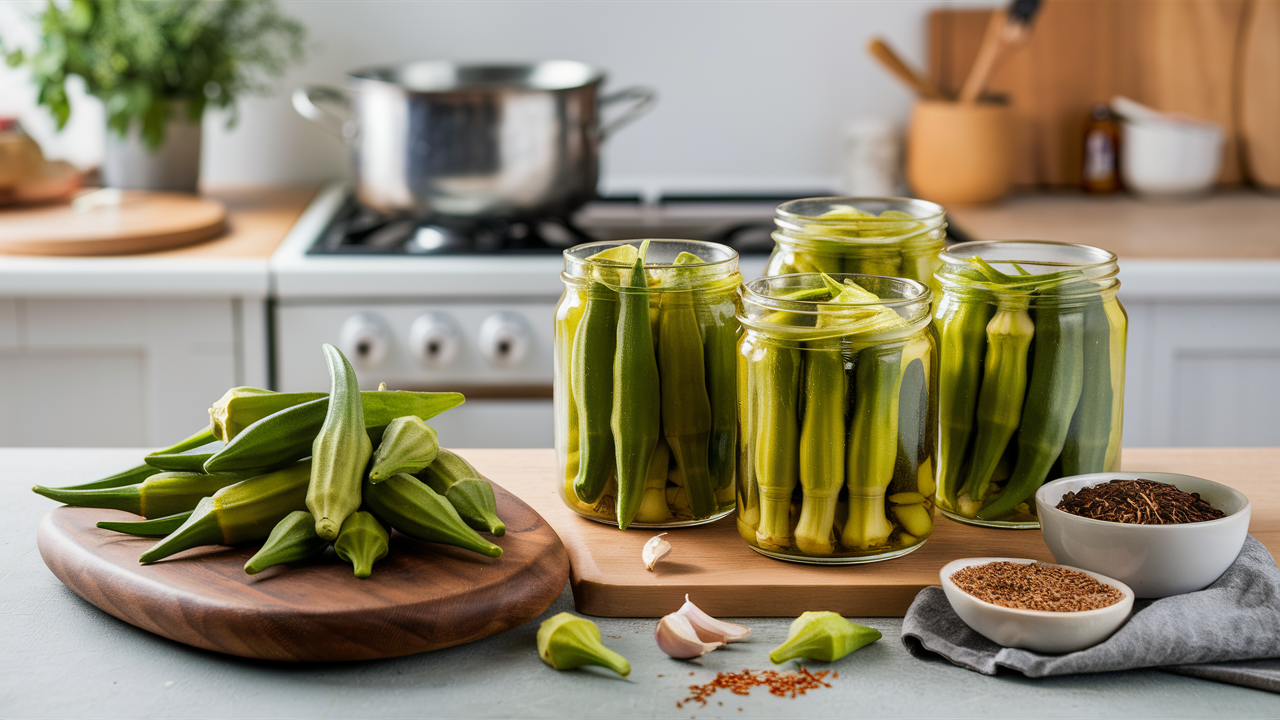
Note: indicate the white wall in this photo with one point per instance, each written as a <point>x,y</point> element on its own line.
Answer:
<point>753,94</point>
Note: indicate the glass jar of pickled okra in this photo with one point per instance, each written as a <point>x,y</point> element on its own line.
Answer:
<point>836,417</point>
<point>1031,385</point>
<point>645,381</point>
<point>897,237</point>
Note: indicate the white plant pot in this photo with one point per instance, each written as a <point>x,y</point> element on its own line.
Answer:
<point>174,166</point>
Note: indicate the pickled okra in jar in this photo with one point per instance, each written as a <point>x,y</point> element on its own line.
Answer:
<point>896,237</point>
<point>836,416</point>
<point>645,381</point>
<point>1031,386</point>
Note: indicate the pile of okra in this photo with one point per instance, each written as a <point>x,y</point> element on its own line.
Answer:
<point>860,250</point>
<point>302,471</point>
<point>1032,386</point>
<point>838,444</point>
<point>647,390</point>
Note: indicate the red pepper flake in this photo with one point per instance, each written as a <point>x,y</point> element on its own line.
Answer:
<point>783,684</point>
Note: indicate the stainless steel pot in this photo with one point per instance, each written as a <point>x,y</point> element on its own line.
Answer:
<point>438,138</point>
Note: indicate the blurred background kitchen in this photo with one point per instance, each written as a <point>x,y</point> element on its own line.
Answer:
<point>1150,129</point>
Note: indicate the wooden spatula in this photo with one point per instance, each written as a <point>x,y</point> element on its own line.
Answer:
<point>881,51</point>
<point>1007,30</point>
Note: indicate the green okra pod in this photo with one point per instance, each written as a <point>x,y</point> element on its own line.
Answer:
<point>292,539</point>
<point>962,346</point>
<point>721,347</point>
<point>362,542</point>
<point>239,513</point>
<point>201,437</point>
<point>413,508</point>
<point>591,370</point>
<point>160,495</point>
<point>1053,391</point>
<point>470,494</point>
<point>287,436</point>
<point>159,527</point>
<point>340,452</point>
<point>822,446</point>
<point>190,460</point>
<point>1085,449</point>
<point>777,469</point>
<point>407,446</point>
<point>653,507</point>
<point>1119,323</point>
<point>637,402</point>
<point>748,492</point>
<point>822,636</point>
<point>566,641</point>
<point>132,476</point>
<point>872,445</point>
<point>685,404</point>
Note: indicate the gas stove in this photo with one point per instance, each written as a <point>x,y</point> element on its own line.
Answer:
<point>445,306</point>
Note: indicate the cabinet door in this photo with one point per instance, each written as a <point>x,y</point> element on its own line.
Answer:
<point>1214,374</point>
<point>114,372</point>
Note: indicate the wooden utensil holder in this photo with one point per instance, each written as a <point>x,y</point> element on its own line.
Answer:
<point>960,154</point>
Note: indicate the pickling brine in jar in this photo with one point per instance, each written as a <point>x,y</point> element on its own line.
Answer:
<point>645,381</point>
<point>1031,386</point>
<point>896,237</point>
<point>837,417</point>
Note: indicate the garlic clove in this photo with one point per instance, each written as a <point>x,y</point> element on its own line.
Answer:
<point>677,638</point>
<point>708,628</point>
<point>655,550</point>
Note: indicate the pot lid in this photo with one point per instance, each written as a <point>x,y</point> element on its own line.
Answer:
<point>432,76</point>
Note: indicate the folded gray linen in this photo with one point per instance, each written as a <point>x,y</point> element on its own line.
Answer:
<point>1229,632</point>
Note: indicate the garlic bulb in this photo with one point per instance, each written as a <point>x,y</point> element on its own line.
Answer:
<point>708,628</point>
<point>655,550</point>
<point>677,638</point>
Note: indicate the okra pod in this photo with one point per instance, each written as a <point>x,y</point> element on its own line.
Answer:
<point>777,437</point>
<point>591,373</point>
<point>721,341</point>
<point>748,492</point>
<point>294,538</point>
<point>962,343</point>
<point>1085,449</point>
<point>461,484</point>
<point>239,513</point>
<point>362,542</point>
<point>413,508</point>
<point>190,460</point>
<point>201,437</point>
<point>685,404</point>
<point>822,444</point>
<point>241,407</point>
<point>637,402</point>
<point>407,446</point>
<point>872,445</point>
<point>1053,391</point>
<point>1119,323</point>
<point>160,495</point>
<point>568,318</point>
<point>158,527</point>
<point>340,452</point>
<point>1004,387</point>
<point>653,507</point>
<point>132,476</point>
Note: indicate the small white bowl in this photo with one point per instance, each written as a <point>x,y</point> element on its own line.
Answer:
<point>1155,560</point>
<point>1037,630</point>
<point>1170,158</point>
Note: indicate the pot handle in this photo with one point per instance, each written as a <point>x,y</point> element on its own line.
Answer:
<point>643,97</point>
<point>328,107</point>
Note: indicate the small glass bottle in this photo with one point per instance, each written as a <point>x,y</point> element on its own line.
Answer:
<point>894,237</point>
<point>837,415</point>
<point>1031,385</point>
<point>1100,173</point>
<point>645,384</point>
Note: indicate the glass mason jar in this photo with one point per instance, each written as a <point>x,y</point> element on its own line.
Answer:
<point>837,417</point>
<point>1031,386</point>
<point>645,381</point>
<point>896,237</point>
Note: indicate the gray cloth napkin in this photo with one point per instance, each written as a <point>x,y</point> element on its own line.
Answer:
<point>1229,632</point>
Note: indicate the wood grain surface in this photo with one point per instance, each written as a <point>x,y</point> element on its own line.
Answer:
<point>420,597</point>
<point>142,221</point>
<point>1174,56</point>
<point>726,578</point>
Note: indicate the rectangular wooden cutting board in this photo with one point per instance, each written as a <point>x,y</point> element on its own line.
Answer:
<point>726,578</point>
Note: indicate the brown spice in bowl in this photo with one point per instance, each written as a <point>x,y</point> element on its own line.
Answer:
<point>1035,586</point>
<point>1139,502</point>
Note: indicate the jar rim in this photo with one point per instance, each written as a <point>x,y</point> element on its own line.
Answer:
<point>754,293</point>
<point>934,211</point>
<point>579,255</point>
<point>957,253</point>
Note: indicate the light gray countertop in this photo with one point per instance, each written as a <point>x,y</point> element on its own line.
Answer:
<point>62,657</point>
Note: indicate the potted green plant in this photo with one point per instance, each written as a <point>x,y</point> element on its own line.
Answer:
<point>156,66</point>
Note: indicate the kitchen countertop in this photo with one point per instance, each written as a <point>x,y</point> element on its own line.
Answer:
<point>234,263</point>
<point>61,657</point>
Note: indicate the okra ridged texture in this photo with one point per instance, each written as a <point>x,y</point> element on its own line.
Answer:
<point>1032,383</point>
<point>645,383</point>
<point>836,455</point>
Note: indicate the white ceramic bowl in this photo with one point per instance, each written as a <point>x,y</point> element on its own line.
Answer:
<point>1155,560</point>
<point>1037,630</point>
<point>1170,159</point>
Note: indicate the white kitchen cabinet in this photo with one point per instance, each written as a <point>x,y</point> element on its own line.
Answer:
<point>121,371</point>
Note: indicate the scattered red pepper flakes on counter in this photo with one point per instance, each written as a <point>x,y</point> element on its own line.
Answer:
<point>781,683</point>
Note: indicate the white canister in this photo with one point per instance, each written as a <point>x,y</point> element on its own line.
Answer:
<point>872,161</point>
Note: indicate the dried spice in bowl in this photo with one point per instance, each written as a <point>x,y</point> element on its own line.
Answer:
<point>1035,586</point>
<point>1139,502</point>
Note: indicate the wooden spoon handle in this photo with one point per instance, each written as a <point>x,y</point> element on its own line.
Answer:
<point>881,51</point>
<point>988,53</point>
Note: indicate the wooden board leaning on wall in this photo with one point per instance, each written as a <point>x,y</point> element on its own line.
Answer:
<point>1175,56</point>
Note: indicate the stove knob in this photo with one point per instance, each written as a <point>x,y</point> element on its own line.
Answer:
<point>505,339</point>
<point>364,340</point>
<point>433,339</point>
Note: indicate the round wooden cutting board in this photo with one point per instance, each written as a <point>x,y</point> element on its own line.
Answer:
<point>141,221</point>
<point>420,597</point>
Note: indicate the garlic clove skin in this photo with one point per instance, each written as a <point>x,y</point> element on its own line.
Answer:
<point>655,550</point>
<point>677,638</point>
<point>708,628</point>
